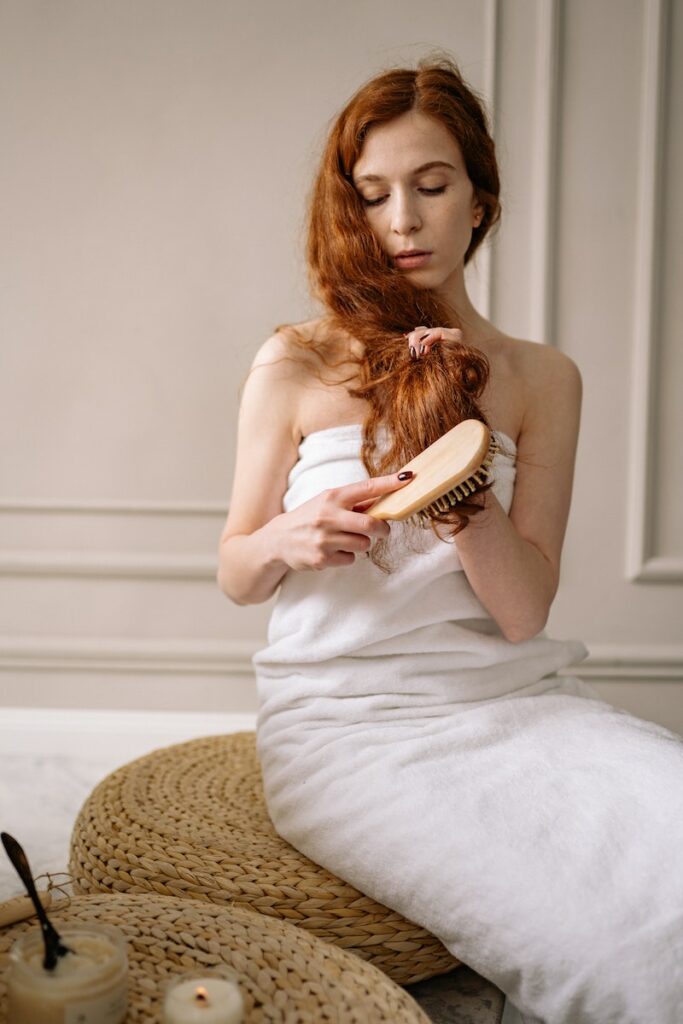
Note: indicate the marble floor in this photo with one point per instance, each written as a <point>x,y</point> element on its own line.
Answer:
<point>40,796</point>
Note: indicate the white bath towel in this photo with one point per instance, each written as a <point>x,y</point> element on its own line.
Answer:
<point>455,777</point>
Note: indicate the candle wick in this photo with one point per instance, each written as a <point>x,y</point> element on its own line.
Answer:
<point>201,995</point>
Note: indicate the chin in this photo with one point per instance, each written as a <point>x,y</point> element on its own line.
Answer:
<point>422,274</point>
<point>426,279</point>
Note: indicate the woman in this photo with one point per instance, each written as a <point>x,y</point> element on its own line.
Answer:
<point>414,735</point>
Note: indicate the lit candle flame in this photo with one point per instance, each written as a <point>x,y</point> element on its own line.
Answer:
<point>201,996</point>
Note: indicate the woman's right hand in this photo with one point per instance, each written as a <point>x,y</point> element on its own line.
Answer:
<point>331,529</point>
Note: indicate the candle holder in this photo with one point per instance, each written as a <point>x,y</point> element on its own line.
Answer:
<point>207,995</point>
<point>88,985</point>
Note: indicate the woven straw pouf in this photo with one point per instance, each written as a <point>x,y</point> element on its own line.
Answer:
<point>285,974</point>
<point>190,820</point>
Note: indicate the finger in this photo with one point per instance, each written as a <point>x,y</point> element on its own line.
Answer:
<point>421,339</point>
<point>357,522</point>
<point>352,494</point>
<point>340,558</point>
<point>413,342</point>
<point>362,506</point>
<point>348,541</point>
<point>427,340</point>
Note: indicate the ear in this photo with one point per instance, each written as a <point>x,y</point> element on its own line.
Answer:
<point>477,212</point>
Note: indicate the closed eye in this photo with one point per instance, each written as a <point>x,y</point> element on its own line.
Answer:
<point>427,191</point>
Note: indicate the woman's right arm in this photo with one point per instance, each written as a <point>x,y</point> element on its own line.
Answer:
<point>249,567</point>
<point>260,542</point>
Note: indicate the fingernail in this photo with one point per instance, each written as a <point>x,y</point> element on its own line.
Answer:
<point>413,353</point>
<point>406,474</point>
<point>422,350</point>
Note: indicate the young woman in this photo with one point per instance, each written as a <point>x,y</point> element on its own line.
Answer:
<point>414,735</point>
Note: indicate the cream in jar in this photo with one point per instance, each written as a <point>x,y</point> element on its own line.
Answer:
<point>87,986</point>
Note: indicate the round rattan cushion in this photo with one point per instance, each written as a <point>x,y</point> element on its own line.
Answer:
<point>285,974</point>
<point>190,820</point>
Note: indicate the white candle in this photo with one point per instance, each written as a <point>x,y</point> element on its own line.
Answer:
<point>88,985</point>
<point>204,1000</point>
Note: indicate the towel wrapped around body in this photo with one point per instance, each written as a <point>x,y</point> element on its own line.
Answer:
<point>457,778</point>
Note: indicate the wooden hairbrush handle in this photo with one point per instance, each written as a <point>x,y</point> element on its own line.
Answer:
<point>450,469</point>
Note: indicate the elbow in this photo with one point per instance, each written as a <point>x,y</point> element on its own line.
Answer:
<point>533,619</point>
<point>237,597</point>
<point>519,632</point>
<point>221,585</point>
<point>223,580</point>
<point>225,589</point>
<point>519,636</point>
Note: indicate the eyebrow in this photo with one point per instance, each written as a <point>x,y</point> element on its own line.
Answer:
<point>418,170</point>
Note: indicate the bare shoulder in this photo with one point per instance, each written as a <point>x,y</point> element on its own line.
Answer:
<point>549,384</point>
<point>279,372</point>
<point>545,365</point>
<point>300,348</point>
<point>553,389</point>
<point>538,365</point>
<point>282,354</point>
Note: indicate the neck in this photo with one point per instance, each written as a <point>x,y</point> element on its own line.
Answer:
<point>475,327</point>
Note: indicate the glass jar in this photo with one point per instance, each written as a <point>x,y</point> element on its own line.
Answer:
<point>87,986</point>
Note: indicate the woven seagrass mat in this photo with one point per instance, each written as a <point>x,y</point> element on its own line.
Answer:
<point>190,820</point>
<point>285,973</point>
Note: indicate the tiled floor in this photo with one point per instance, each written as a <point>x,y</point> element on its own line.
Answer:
<point>40,796</point>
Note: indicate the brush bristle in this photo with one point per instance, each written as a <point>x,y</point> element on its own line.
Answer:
<point>457,494</point>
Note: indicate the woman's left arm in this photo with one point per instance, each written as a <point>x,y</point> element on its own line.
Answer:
<point>513,562</point>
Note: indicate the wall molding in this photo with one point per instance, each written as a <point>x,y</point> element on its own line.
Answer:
<point>95,506</point>
<point>109,564</point>
<point>482,265</point>
<point>545,168</point>
<point>660,662</point>
<point>211,657</point>
<point>642,566</point>
<point>56,654</point>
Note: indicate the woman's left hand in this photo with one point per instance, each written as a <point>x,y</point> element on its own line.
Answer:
<point>421,339</point>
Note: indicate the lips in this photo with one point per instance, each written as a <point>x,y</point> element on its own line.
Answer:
<point>413,259</point>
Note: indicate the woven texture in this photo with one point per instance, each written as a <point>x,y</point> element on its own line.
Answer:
<point>190,820</point>
<point>285,974</point>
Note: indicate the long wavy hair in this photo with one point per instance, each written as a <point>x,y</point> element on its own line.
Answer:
<point>371,300</point>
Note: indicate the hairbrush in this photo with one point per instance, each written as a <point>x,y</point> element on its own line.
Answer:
<point>446,474</point>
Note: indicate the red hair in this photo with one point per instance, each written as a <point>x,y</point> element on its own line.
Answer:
<point>367,297</point>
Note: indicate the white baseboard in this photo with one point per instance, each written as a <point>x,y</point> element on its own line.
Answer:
<point>93,734</point>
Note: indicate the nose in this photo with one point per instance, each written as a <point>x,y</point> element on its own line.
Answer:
<point>405,217</point>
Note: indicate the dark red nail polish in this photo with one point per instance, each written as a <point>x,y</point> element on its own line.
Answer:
<point>406,474</point>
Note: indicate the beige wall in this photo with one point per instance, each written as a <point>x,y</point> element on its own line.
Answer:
<point>156,160</point>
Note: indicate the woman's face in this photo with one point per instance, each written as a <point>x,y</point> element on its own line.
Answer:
<point>411,205</point>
